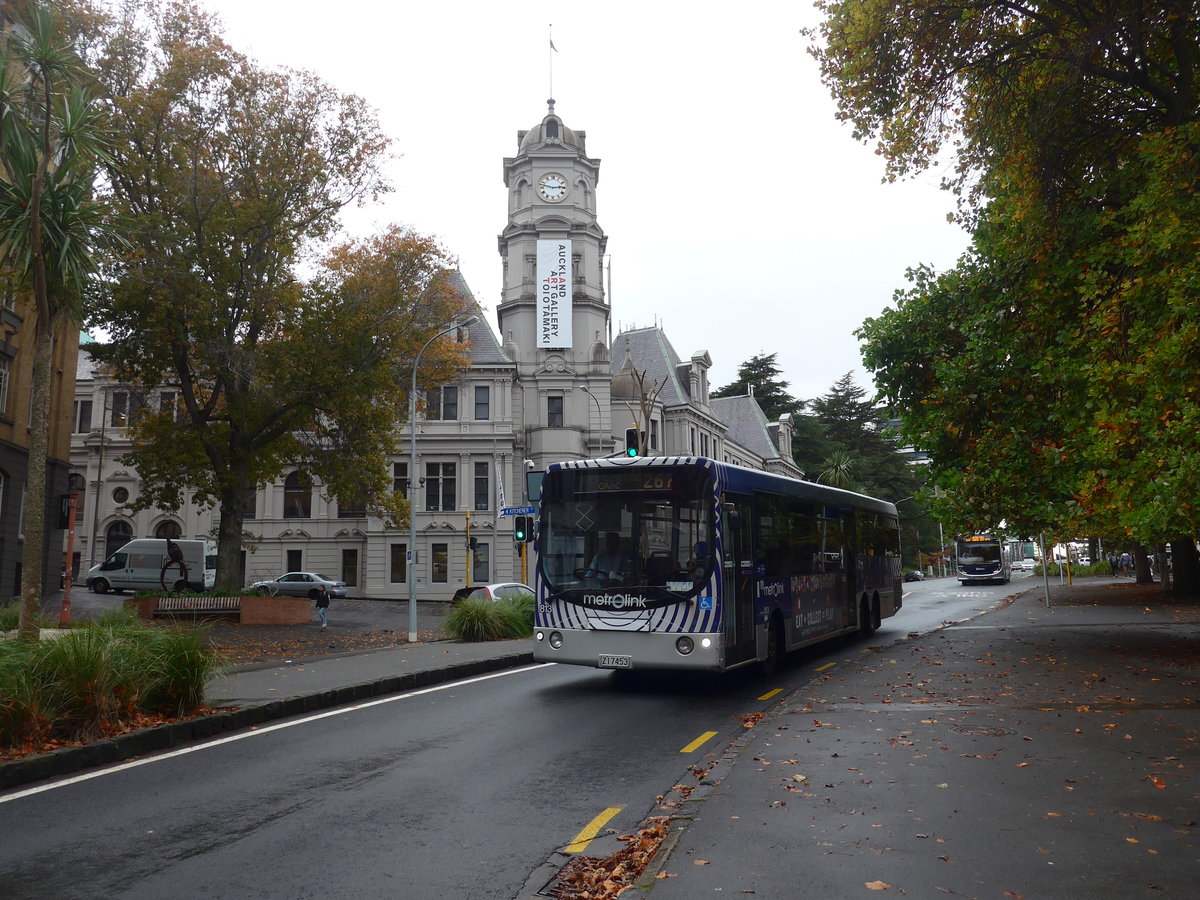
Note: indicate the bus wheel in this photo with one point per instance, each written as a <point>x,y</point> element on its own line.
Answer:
<point>866,624</point>
<point>770,665</point>
<point>876,614</point>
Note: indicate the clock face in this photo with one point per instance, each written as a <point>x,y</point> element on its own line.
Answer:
<point>552,187</point>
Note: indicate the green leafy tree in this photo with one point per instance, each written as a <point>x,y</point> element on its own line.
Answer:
<point>52,135</point>
<point>231,176</point>
<point>1051,372</point>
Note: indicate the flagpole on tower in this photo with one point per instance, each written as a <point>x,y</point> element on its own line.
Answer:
<point>551,53</point>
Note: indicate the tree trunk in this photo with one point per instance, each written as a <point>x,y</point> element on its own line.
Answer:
<point>34,522</point>
<point>1160,563</point>
<point>1185,573</point>
<point>233,516</point>
<point>1141,565</point>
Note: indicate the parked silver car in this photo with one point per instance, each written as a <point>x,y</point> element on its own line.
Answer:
<point>301,584</point>
<point>501,591</point>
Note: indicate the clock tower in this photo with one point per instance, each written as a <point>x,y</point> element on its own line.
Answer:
<point>553,314</point>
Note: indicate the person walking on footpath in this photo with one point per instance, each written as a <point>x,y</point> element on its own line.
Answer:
<point>322,605</point>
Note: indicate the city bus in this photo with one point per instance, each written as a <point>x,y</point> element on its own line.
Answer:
<point>677,563</point>
<point>982,557</point>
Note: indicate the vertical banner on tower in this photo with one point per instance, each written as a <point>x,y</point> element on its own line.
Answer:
<point>554,294</point>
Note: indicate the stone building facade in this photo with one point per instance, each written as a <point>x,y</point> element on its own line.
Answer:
<point>548,383</point>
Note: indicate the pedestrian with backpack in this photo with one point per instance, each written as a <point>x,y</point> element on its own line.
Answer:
<point>322,605</point>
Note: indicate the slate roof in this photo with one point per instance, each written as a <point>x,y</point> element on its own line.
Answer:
<point>485,347</point>
<point>653,354</point>
<point>747,423</point>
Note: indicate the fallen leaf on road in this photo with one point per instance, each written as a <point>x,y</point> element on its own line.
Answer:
<point>799,778</point>
<point>1157,782</point>
<point>877,885</point>
<point>700,862</point>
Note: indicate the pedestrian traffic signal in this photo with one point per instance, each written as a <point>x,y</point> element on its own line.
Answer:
<point>632,447</point>
<point>522,528</point>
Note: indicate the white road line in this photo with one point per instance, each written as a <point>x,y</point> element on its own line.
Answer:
<point>256,731</point>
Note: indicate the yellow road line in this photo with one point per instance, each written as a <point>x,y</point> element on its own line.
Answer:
<point>703,739</point>
<point>769,694</point>
<point>826,666</point>
<point>593,828</point>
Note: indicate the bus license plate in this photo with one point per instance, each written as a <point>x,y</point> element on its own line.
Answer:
<point>608,661</point>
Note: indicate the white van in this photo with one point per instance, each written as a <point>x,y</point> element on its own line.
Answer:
<point>138,566</point>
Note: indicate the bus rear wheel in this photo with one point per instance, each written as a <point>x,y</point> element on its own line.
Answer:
<point>866,622</point>
<point>771,664</point>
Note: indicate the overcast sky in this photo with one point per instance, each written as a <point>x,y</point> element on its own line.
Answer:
<point>741,216</point>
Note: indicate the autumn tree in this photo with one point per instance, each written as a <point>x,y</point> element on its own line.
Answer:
<point>231,177</point>
<point>1052,372</point>
<point>52,136</point>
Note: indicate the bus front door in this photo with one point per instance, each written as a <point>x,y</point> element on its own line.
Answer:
<point>739,579</point>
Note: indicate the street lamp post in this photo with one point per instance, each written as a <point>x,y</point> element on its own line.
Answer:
<point>599,419</point>
<point>412,478</point>
<point>75,484</point>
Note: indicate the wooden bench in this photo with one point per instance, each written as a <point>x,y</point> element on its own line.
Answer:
<point>249,609</point>
<point>196,606</point>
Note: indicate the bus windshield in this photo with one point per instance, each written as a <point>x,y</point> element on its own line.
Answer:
<point>613,527</point>
<point>974,553</point>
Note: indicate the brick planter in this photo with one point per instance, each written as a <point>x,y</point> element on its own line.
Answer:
<point>276,611</point>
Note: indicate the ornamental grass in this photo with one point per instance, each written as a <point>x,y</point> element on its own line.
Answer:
<point>100,679</point>
<point>477,619</point>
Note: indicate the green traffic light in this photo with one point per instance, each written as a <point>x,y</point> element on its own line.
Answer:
<point>631,442</point>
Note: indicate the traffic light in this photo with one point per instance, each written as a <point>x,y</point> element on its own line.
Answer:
<point>522,528</point>
<point>631,441</point>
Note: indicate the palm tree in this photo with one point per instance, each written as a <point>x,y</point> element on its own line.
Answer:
<point>837,470</point>
<point>51,139</point>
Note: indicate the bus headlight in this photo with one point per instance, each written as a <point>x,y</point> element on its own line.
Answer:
<point>705,643</point>
<point>684,645</point>
<point>556,640</point>
<point>539,636</point>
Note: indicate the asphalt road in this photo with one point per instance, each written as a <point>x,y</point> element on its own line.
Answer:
<point>454,792</point>
<point>460,791</point>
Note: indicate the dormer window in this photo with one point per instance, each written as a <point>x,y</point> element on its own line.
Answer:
<point>552,128</point>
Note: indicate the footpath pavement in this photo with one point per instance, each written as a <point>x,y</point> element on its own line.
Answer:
<point>1029,752</point>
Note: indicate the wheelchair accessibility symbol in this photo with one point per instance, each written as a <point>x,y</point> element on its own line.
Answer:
<point>706,603</point>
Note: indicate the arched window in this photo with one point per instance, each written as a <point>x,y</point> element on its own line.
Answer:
<point>168,529</point>
<point>297,496</point>
<point>117,536</point>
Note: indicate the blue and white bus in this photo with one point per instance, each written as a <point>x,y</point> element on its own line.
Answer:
<point>983,557</point>
<point>689,563</point>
